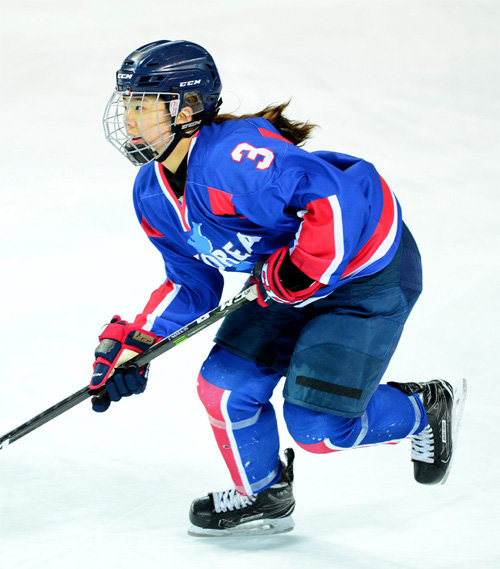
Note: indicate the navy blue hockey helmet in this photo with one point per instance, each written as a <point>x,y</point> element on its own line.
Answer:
<point>153,83</point>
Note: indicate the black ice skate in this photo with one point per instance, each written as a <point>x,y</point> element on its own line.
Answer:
<point>432,448</point>
<point>229,513</point>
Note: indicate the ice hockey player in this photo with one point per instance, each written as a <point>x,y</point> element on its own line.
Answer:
<point>338,272</point>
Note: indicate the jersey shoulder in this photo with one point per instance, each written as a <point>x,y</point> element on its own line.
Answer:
<point>238,156</point>
<point>351,165</point>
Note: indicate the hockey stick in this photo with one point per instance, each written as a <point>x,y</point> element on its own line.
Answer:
<point>147,356</point>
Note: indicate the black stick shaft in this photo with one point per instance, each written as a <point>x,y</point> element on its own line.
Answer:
<point>147,356</point>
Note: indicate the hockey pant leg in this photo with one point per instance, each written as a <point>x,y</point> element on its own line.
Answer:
<point>333,397</point>
<point>236,393</point>
<point>389,417</point>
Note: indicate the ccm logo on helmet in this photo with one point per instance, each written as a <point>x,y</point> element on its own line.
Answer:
<point>124,75</point>
<point>190,83</point>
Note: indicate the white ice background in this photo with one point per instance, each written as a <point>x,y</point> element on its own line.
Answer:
<point>412,86</point>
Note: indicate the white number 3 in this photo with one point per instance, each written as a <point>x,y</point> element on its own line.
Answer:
<point>266,155</point>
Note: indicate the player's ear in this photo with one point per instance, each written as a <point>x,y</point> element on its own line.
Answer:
<point>185,115</point>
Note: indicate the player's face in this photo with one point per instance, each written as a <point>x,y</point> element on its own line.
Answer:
<point>147,120</point>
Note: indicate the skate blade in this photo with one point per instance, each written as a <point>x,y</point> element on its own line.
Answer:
<point>260,527</point>
<point>459,396</point>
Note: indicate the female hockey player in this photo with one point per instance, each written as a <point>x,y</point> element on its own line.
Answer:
<point>337,272</point>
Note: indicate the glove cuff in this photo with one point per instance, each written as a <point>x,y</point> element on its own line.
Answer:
<point>285,282</point>
<point>118,337</point>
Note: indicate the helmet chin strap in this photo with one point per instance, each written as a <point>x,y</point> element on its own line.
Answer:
<point>180,131</point>
<point>142,153</point>
<point>178,136</point>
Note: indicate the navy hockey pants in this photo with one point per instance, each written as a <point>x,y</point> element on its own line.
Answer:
<point>333,353</point>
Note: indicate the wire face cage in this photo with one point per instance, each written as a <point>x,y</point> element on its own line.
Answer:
<point>139,124</point>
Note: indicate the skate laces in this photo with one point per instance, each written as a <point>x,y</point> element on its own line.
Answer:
<point>422,446</point>
<point>230,499</point>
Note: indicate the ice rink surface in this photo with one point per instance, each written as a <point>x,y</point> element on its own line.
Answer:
<point>411,86</point>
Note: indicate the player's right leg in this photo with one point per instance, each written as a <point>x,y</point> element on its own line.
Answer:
<point>236,394</point>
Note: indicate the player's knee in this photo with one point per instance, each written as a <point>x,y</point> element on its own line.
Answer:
<point>211,388</point>
<point>208,393</point>
<point>320,432</point>
<point>230,387</point>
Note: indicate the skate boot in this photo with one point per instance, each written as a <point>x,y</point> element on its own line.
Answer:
<point>432,448</point>
<point>229,513</point>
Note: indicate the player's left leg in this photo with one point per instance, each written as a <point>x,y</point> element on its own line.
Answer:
<point>429,413</point>
<point>334,400</point>
<point>332,392</point>
<point>390,416</point>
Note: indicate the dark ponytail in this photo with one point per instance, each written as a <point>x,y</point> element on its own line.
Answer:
<point>296,132</point>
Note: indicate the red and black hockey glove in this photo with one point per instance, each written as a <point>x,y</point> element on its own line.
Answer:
<point>119,342</point>
<point>279,280</point>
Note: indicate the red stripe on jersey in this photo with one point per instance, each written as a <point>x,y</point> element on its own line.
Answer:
<point>378,236</point>
<point>164,178</point>
<point>175,202</point>
<point>315,247</point>
<point>271,134</point>
<point>158,296</point>
<point>150,231</point>
<point>185,223</point>
<point>220,202</point>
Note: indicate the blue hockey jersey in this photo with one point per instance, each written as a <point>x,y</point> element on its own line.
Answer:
<point>248,192</point>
